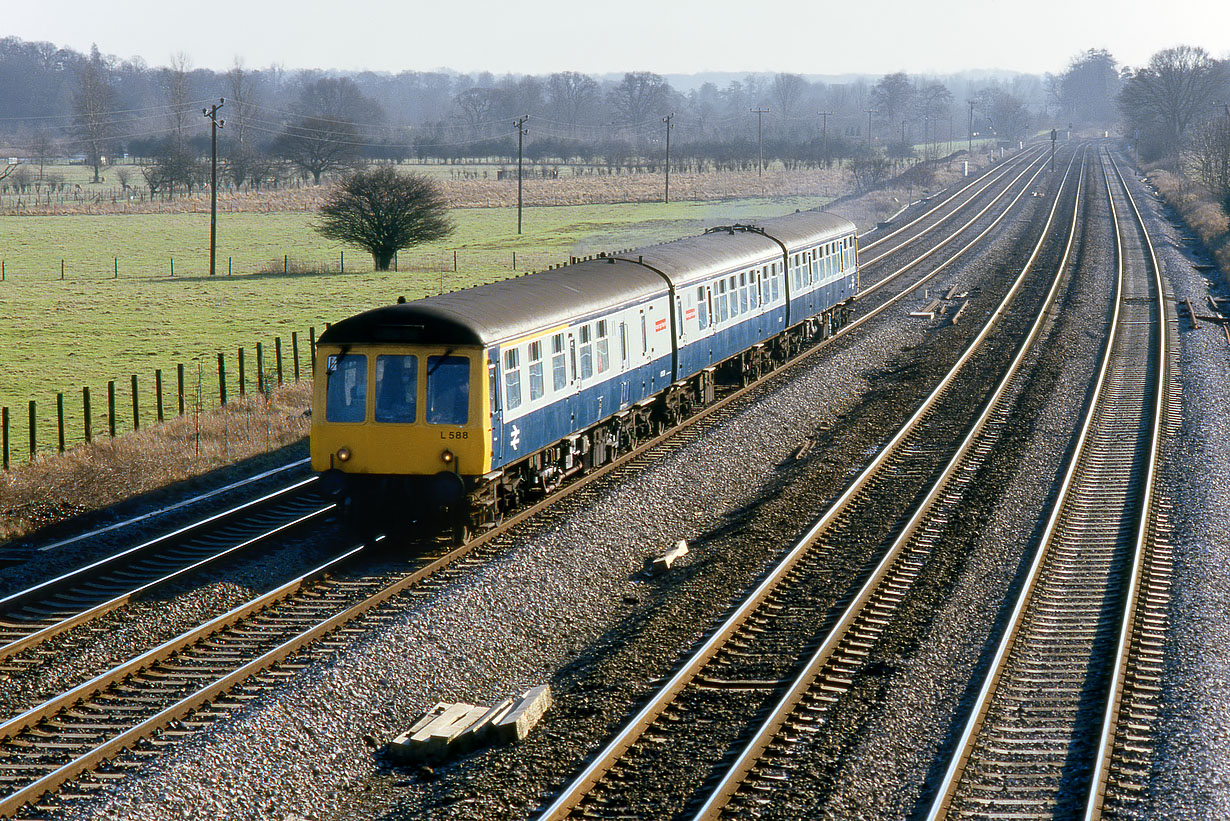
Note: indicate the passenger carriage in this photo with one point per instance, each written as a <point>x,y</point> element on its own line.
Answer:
<point>455,407</point>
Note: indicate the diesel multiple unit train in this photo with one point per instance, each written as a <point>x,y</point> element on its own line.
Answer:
<point>455,408</point>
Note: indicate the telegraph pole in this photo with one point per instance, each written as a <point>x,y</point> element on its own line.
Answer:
<point>521,132</point>
<point>870,111</point>
<point>824,130</point>
<point>760,112</point>
<point>970,150</point>
<point>215,124</point>
<point>669,125</point>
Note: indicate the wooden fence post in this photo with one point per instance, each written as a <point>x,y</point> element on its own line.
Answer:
<point>60,418</point>
<point>111,407</point>
<point>285,263</point>
<point>222,377</point>
<point>116,275</point>
<point>136,404</point>
<point>312,347</point>
<point>294,351</point>
<point>158,391</point>
<point>4,424</point>
<point>454,262</point>
<point>260,369</point>
<point>277,355</point>
<point>85,415</point>
<point>61,270</point>
<point>243,388</point>
<point>172,266</point>
<point>179,373</point>
<point>33,435</point>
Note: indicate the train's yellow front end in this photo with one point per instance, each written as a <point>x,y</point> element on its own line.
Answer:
<point>399,429</point>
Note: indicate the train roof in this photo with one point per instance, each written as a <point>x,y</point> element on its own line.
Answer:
<point>508,309</point>
<point>503,310</point>
<point>737,246</point>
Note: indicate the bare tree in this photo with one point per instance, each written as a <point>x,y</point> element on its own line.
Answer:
<point>1208,156</point>
<point>43,147</point>
<point>640,96</point>
<point>325,135</point>
<point>241,155</point>
<point>892,98</point>
<point>1087,90</point>
<point>92,106</point>
<point>475,105</point>
<point>383,211</point>
<point>572,96</point>
<point>1160,101</point>
<point>175,81</point>
<point>786,93</point>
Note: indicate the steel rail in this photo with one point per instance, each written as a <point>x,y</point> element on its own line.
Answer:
<point>963,750</point>
<point>567,799</point>
<point>1102,764</point>
<point>781,712</point>
<point>11,803</point>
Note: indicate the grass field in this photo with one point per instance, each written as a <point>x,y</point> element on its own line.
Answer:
<point>90,328</point>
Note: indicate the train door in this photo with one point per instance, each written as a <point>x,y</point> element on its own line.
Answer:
<point>625,378</point>
<point>496,424</point>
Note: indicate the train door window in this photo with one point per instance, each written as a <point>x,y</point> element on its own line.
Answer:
<point>537,386</point>
<point>679,312</point>
<point>512,378</point>
<point>397,386</point>
<point>702,307</point>
<point>814,268</point>
<point>572,351</point>
<point>644,334</point>
<point>448,390</point>
<point>587,353</point>
<point>493,379</point>
<point>773,283</point>
<point>602,347</point>
<point>559,365</point>
<point>743,293</point>
<point>346,393</point>
<point>721,302</point>
<point>623,344</point>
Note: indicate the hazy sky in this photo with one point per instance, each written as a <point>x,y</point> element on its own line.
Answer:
<point>664,36</point>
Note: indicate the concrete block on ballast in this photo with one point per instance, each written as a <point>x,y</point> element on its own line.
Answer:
<point>516,725</point>
<point>431,734</point>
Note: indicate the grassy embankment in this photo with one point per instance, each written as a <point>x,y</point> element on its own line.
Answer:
<point>1200,211</point>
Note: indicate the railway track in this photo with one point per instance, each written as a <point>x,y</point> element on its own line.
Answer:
<point>1045,736</point>
<point>183,680</point>
<point>31,618</point>
<point>747,672</point>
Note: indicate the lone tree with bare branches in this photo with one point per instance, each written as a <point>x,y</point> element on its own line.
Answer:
<point>384,211</point>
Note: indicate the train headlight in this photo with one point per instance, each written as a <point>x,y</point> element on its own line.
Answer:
<point>447,457</point>
<point>343,454</point>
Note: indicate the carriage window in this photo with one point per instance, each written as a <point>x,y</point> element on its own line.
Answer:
<point>721,301</point>
<point>587,353</point>
<point>346,397</point>
<point>448,390</point>
<point>644,334</point>
<point>734,297</point>
<point>537,388</point>
<point>512,378</point>
<point>397,381</point>
<point>603,348</point>
<point>702,308</point>
<point>623,343</point>
<point>743,293</point>
<point>559,366</point>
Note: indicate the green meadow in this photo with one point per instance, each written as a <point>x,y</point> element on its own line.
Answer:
<point>118,311</point>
